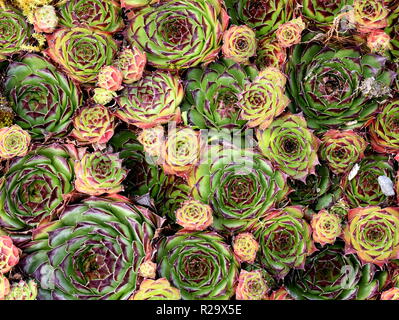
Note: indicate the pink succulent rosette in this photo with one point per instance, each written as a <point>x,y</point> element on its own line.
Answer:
<point>4,287</point>
<point>194,216</point>
<point>289,33</point>
<point>132,63</point>
<point>379,42</point>
<point>391,294</point>
<point>326,227</point>
<point>372,233</point>
<point>239,43</point>
<point>251,286</point>
<point>110,78</point>
<point>9,254</point>
<point>14,142</point>
<point>245,247</point>
<point>45,19</point>
<point>370,15</point>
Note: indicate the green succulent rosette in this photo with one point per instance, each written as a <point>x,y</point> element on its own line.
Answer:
<point>329,274</point>
<point>42,98</point>
<point>81,52</point>
<point>384,129</point>
<point>364,189</point>
<point>97,14</point>
<point>200,264</point>
<point>264,16</point>
<point>393,31</point>
<point>179,34</point>
<point>92,252</point>
<point>239,185</point>
<point>285,240</point>
<point>335,87</point>
<point>151,101</point>
<point>322,13</point>
<point>15,32</point>
<point>211,94</point>
<point>269,53</point>
<point>290,146</point>
<point>23,290</point>
<point>34,188</point>
<point>342,149</point>
<point>319,191</point>
<point>372,233</point>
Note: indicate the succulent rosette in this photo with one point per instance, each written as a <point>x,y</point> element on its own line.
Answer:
<point>318,191</point>
<point>23,290</point>
<point>290,146</point>
<point>379,42</point>
<point>200,264</point>
<point>179,34</point>
<point>326,227</point>
<point>181,151</point>
<point>370,15</point>
<point>14,142</point>
<point>251,286</point>
<point>280,294</point>
<point>43,98</point>
<point>92,252</point>
<point>264,16</point>
<point>103,96</point>
<point>239,185</point>
<point>152,140</point>
<point>212,93</point>
<point>364,189</point>
<point>97,14</point>
<point>269,53</point>
<point>14,32</point>
<point>132,63</point>
<point>151,101</point>
<point>245,247</point>
<point>93,124</point>
<point>289,33</point>
<point>45,19</point>
<point>4,287</point>
<point>239,44</point>
<point>262,100</point>
<point>159,289</point>
<point>194,216</point>
<point>148,269</point>
<point>329,274</point>
<point>336,88</point>
<point>9,254</point>
<point>323,12</point>
<point>372,233</point>
<point>98,173</point>
<point>285,240</point>
<point>81,52</point>
<point>35,186</point>
<point>390,294</point>
<point>110,78</point>
<point>393,31</point>
<point>384,129</point>
<point>341,149</point>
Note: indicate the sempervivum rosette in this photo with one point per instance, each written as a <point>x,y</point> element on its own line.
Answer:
<point>200,264</point>
<point>179,34</point>
<point>4,287</point>
<point>263,99</point>
<point>326,227</point>
<point>329,274</point>
<point>323,12</point>
<point>93,124</point>
<point>181,151</point>
<point>365,187</point>
<point>132,63</point>
<point>341,149</point>
<point>391,294</point>
<point>152,140</point>
<point>370,15</point>
<point>211,94</point>
<point>384,129</point>
<point>9,254</point>
<point>98,173</point>
<point>239,185</point>
<point>23,290</point>
<point>14,32</point>
<point>269,53</point>
<point>251,286</point>
<point>289,33</point>
<point>285,240</point>
<point>393,31</point>
<point>245,247</point>
<point>98,14</point>
<point>81,52</point>
<point>45,19</point>
<point>151,101</point>
<point>280,294</point>
<point>336,87</point>
<point>35,186</point>
<point>264,16</point>
<point>290,145</point>
<point>42,98</point>
<point>373,234</point>
<point>92,252</point>
<point>239,44</point>
<point>14,142</point>
<point>159,289</point>
<point>194,216</point>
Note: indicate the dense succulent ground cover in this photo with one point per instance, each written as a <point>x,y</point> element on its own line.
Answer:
<point>199,149</point>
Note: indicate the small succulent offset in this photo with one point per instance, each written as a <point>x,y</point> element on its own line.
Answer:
<point>14,142</point>
<point>251,286</point>
<point>23,290</point>
<point>9,255</point>
<point>159,289</point>
<point>194,216</point>
<point>239,44</point>
<point>326,227</point>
